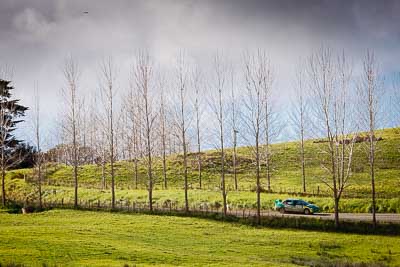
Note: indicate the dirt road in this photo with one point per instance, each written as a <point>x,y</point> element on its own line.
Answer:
<point>367,217</point>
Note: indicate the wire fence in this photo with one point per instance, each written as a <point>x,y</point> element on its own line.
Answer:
<point>140,207</point>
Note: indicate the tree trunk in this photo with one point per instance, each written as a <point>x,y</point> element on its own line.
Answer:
<point>268,170</point>
<point>334,182</point>
<point>183,132</point>
<point>199,163</point>
<point>75,186</point>
<point>372,174</point>
<point>75,152</point>
<point>198,144</point>
<point>103,175</point>
<point>112,158</point>
<point>267,152</point>
<point>258,185</point>
<point>3,186</point>
<point>136,173</point>
<point>163,141</point>
<point>150,175</point>
<point>108,74</point>
<point>40,182</point>
<point>303,163</point>
<point>185,173</point>
<point>223,176</point>
<point>149,158</point>
<point>222,154</point>
<point>234,158</point>
<point>164,164</point>
<point>337,224</point>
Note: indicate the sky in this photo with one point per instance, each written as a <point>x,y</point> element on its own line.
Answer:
<point>37,36</point>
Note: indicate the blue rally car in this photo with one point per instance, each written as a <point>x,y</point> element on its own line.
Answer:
<point>295,206</point>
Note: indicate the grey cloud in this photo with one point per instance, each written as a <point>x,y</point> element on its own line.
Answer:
<point>37,35</point>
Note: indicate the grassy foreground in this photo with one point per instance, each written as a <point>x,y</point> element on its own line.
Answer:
<point>82,238</point>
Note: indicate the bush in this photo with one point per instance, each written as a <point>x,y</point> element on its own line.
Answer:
<point>216,205</point>
<point>13,207</point>
<point>262,189</point>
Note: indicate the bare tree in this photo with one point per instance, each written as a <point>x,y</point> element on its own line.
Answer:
<point>39,155</point>
<point>271,129</point>
<point>182,123</point>
<point>143,72</point>
<point>196,77</point>
<point>83,126</point>
<point>92,110</point>
<point>108,74</point>
<point>254,112</point>
<point>123,147</point>
<point>134,121</point>
<point>163,136</point>
<point>330,85</point>
<point>71,75</point>
<point>234,125</point>
<point>97,138</point>
<point>218,107</point>
<point>299,118</point>
<point>369,90</point>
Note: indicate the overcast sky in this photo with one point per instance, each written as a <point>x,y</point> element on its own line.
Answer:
<point>36,36</point>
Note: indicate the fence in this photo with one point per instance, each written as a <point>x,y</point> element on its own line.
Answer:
<point>139,207</point>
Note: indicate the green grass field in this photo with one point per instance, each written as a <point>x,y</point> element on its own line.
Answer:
<point>285,179</point>
<point>83,238</point>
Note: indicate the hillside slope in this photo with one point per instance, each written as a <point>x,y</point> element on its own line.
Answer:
<point>286,177</point>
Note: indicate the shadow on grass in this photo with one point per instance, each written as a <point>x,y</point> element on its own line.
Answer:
<point>312,224</point>
<point>276,222</point>
<point>13,207</point>
<point>327,262</point>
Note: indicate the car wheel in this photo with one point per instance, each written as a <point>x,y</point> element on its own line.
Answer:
<point>307,212</point>
<point>282,210</point>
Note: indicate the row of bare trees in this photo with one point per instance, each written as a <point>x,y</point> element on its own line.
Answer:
<point>157,117</point>
<point>342,105</point>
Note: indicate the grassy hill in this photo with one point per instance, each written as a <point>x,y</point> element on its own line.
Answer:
<point>83,238</point>
<point>286,178</point>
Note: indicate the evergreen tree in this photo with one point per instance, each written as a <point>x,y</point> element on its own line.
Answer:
<point>10,115</point>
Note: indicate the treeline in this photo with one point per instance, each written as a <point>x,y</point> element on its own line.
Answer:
<point>186,108</point>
